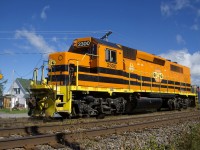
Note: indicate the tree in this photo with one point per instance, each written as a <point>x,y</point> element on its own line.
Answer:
<point>2,87</point>
<point>2,83</point>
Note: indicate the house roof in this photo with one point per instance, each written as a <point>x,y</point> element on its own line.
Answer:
<point>25,83</point>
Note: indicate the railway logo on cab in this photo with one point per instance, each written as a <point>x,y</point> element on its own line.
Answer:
<point>157,75</point>
<point>131,67</point>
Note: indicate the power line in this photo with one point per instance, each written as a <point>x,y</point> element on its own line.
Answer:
<point>47,32</point>
<point>124,38</point>
<point>51,38</point>
<point>29,71</point>
<point>69,32</point>
<point>12,53</point>
<point>13,38</point>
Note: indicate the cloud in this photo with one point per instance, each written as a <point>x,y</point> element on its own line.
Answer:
<point>185,58</point>
<point>180,4</point>
<point>179,39</point>
<point>24,46</point>
<point>8,52</point>
<point>36,41</point>
<point>170,8</point>
<point>198,12</point>
<point>195,27</point>
<point>54,39</point>
<point>43,14</point>
<point>165,9</point>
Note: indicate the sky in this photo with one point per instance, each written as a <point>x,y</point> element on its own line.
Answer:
<point>30,30</point>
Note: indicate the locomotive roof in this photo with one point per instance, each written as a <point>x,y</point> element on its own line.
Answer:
<point>119,46</point>
<point>106,43</point>
<point>124,48</point>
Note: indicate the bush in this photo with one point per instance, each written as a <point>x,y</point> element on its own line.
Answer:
<point>189,140</point>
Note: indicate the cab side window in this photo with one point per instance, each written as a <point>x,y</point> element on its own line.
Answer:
<point>111,56</point>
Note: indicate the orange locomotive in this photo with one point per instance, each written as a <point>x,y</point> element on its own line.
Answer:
<point>98,77</point>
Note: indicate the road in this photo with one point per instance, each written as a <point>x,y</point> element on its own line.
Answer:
<point>6,115</point>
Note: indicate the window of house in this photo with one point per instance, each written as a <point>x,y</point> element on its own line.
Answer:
<point>111,56</point>
<point>17,90</point>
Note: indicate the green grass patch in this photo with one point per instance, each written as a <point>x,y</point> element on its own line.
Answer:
<point>8,111</point>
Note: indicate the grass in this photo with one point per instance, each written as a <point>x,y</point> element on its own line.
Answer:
<point>187,141</point>
<point>190,140</point>
<point>6,110</point>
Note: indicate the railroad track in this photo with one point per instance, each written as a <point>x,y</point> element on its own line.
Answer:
<point>71,137</point>
<point>19,122</point>
<point>41,129</point>
<point>9,122</point>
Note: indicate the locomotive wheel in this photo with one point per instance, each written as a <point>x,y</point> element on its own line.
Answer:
<point>100,116</point>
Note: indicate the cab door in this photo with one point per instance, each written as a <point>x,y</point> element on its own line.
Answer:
<point>110,67</point>
<point>93,58</point>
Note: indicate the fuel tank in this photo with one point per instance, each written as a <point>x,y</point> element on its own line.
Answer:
<point>143,104</point>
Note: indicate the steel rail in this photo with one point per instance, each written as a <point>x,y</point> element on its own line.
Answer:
<point>71,138</point>
<point>9,122</point>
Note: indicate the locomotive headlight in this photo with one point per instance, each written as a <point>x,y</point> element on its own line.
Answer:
<point>51,62</point>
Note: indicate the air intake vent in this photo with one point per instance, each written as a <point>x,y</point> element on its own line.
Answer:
<point>129,53</point>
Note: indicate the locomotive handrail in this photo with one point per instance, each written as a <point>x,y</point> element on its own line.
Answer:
<point>35,74</point>
<point>77,64</point>
<point>88,55</point>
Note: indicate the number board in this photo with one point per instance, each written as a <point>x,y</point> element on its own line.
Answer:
<point>111,65</point>
<point>83,43</point>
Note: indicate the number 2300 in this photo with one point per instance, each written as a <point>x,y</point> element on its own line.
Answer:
<point>83,43</point>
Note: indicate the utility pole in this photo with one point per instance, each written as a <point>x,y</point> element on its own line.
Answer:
<point>12,89</point>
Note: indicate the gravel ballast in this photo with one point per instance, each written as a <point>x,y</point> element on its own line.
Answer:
<point>140,140</point>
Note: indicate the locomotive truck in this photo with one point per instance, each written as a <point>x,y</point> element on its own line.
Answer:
<point>96,77</point>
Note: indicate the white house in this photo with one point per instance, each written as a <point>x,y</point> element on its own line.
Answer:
<point>17,93</point>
